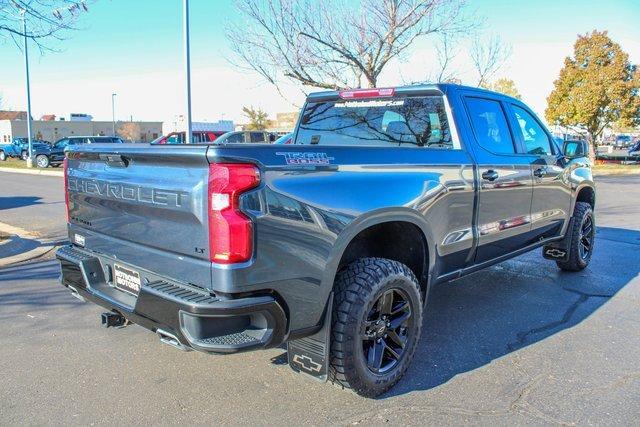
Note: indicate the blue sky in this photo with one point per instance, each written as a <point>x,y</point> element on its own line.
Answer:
<point>133,48</point>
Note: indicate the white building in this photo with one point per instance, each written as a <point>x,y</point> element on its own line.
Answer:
<point>53,130</point>
<point>178,125</point>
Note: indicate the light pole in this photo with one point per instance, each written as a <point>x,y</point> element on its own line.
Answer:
<point>26,72</point>
<point>113,112</point>
<point>187,67</point>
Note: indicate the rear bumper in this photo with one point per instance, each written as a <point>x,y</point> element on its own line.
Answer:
<point>195,318</point>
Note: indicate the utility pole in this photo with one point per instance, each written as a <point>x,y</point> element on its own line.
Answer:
<point>26,72</point>
<point>113,112</point>
<point>187,68</point>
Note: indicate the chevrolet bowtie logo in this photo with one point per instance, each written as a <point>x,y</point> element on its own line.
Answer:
<point>556,253</point>
<point>307,363</point>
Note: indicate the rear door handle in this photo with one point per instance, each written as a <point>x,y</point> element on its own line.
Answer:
<point>540,172</point>
<point>490,175</point>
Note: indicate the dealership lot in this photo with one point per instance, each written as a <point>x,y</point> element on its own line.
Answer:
<point>520,342</point>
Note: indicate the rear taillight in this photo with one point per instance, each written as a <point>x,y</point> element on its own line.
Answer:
<point>230,231</point>
<point>65,168</point>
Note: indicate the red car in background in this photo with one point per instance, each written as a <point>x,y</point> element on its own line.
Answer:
<point>197,137</point>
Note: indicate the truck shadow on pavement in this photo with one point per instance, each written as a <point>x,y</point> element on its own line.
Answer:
<point>468,323</point>
<point>484,316</point>
<point>19,202</point>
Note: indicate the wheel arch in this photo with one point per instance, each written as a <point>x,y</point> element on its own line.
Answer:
<point>382,218</point>
<point>586,193</point>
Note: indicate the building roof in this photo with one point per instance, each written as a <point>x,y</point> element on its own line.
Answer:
<point>13,115</point>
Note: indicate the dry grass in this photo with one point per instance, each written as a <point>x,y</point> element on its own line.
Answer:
<point>615,169</point>
<point>14,164</point>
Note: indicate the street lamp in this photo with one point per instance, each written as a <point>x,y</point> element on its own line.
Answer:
<point>26,72</point>
<point>187,67</point>
<point>113,112</point>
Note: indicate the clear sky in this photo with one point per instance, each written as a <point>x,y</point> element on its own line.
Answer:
<point>133,48</point>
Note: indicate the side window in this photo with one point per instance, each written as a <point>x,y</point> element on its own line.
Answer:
<point>535,139</point>
<point>236,138</point>
<point>257,137</point>
<point>490,125</point>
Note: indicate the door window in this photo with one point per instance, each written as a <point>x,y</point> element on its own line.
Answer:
<point>490,125</point>
<point>535,139</point>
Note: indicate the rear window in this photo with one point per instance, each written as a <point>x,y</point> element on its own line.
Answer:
<point>410,121</point>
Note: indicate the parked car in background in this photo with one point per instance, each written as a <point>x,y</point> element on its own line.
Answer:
<point>197,137</point>
<point>634,150</point>
<point>55,156</point>
<point>284,139</point>
<point>252,136</point>
<point>19,148</point>
<point>623,141</point>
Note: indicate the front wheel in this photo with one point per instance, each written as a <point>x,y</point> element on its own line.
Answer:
<point>377,319</point>
<point>24,155</point>
<point>3,156</point>
<point>582,238</point>
<point>42,161</point>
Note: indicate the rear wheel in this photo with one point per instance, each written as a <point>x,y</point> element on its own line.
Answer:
<point>42,161</point>
<point>3,156</point>
<point>377,319</point>
<point>24,155</point>
<point>582,239</point>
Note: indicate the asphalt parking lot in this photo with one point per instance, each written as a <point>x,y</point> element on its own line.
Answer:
<point>521,342</point>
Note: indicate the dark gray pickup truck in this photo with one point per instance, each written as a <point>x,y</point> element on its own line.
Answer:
<point>329,244</point>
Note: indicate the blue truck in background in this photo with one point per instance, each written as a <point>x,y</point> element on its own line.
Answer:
<point>19,148</point>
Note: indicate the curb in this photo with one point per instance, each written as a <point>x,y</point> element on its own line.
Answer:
<point>32,171</point>
<point>21,238</point>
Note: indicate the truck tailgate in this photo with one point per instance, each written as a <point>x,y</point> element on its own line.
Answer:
<point>144,205</point>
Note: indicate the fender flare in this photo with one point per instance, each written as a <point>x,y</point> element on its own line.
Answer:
<point>378,216</point>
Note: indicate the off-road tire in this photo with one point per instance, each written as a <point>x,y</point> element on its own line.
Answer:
<point>576,261</point>
<point>3,156</point>
<point>356,290</point>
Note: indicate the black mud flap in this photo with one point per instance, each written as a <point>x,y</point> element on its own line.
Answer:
<point>310,355</point>
<point>559,251</point>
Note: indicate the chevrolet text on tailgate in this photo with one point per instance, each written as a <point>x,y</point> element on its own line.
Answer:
<point>331,243</point>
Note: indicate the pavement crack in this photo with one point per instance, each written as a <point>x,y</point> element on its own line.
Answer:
<point>568,314</point>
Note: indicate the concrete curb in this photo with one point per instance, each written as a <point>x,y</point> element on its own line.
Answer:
<point>33,171</point>
<point>21,239</point>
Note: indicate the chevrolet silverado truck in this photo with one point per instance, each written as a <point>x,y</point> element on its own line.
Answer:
<point>329,244</point>
<point>19,148</point>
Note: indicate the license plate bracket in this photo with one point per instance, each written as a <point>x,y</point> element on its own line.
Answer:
<point>126,279</point>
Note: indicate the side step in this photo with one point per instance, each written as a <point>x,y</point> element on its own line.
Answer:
<point>310,355</point>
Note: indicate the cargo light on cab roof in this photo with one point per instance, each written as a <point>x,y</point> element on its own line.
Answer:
<point>367,93</point>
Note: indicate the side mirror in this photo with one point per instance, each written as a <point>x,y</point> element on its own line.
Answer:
<point>575,149</point>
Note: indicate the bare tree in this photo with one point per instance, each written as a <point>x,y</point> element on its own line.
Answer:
<point>488,56</point>
<point>130,131</point>
<point>45,19</point>
<point>446,51</point>
<point>335,44</point>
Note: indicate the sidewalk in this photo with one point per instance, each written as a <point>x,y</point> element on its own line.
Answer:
<point>20,245</point>
<point>34,171</point>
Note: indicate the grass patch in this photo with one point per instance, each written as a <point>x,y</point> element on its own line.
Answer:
<point>21,164</point>
<point>615,169</point>
<point>14,163</point>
